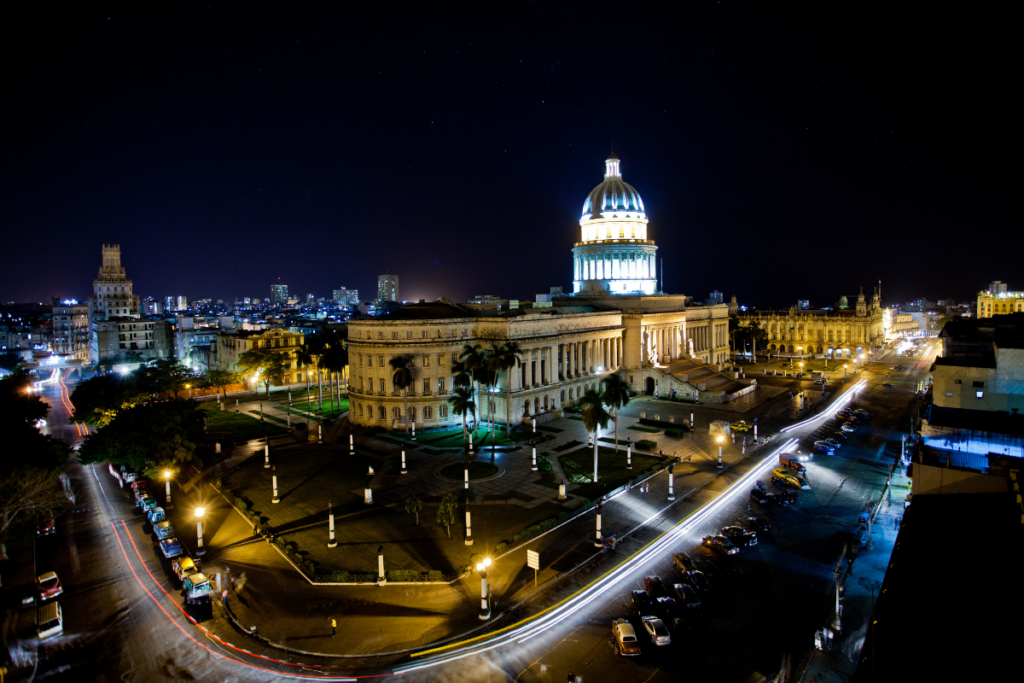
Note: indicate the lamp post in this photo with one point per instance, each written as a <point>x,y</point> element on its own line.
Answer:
<point>189,387</point>
<point>801,368</point>
<point>167,482</point>
<point>199,531</point>
<point>485,603</point>
<point>720,439</point>
<point>844,371</point>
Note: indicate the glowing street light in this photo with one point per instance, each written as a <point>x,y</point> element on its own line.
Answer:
<point>189,387</point>
<point>485,602</point>
<point>167,481</point>
<point>720,439</point>
<point>199,531</point>
<point>801,367</point>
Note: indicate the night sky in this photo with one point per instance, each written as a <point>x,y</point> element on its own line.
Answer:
<point>781,153</point>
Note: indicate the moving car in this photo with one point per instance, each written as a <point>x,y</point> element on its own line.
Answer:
<point>655,587</point>
<point>719,543</point>
<point>46,527</point>
<point>759,524</point>
<point>741,426</point>
<point>625,638</point>
<point>48,586</point>
<point>642,603</point>
<point>697,581</point>
<point>657,631</point>
<point>686,595</point>
<point>171,548</point>
<point>51,621</point>
<point>819,381</point>
<point>739,536</point>
<point>183,567</point>
<point>163,530</point>
<point>794,461</point>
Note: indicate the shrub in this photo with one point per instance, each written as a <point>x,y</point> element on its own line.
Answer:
<point>566,446</point>
<point>543,464</point>
<point>579,479</point>
<point>435,575</point>
<point>280,542</point>
<point>646,444</point>
<point>500,548</point>
<point>337,577</point>
<point>310,567</point>
<point>674,432</point>
<point>402,575</point>
<point>562,516</point>
<point>242,505</point>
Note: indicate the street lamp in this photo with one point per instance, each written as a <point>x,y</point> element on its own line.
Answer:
<point>801,368</point>
<point>844,370</point>
<point>485,602</point>
<point>199,531</point>
<point>167,480</point>
<point>720,439</point>
<point>189,387</point>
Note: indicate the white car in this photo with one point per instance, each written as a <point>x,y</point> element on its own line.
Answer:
<point>657,630</point>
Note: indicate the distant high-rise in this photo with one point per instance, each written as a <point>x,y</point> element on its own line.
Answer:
<point>346,297</point>
<point>387,288</point>
<point>716,298</point>
<point>998,287</point>
<point>180,303</point>
<point>278,294</point>
<point>310,298</point>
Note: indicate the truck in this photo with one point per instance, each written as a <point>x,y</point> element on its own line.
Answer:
<point>792,461</point>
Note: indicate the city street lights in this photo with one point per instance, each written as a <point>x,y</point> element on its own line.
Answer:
<point>485,602</point>
<point>720,440</point>
<point>199,531</point>
<point>167,481</point>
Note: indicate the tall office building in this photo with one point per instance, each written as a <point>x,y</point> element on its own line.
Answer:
<point>278,294</point>
<point>346,297</point>
<point>387,288</point>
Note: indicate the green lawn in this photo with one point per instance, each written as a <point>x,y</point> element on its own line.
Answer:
<point>237,427</point>
<point>481,437</point>
<point>611,469</point>
<point>329,408</point>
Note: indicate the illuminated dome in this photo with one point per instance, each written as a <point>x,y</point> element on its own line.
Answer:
<point>614,197</point>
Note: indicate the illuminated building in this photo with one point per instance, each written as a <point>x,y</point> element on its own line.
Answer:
<point>71,331</point>
<point>996,300</point>
<point>278,295</point>
<point>229,345</point>
<point>387,289</point>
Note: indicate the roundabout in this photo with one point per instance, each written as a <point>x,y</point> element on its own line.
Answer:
<point>478,472</point>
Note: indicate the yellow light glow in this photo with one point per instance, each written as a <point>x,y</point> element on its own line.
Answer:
<point>200,512</point>
<point>721,438</point>
<point>167,474</point>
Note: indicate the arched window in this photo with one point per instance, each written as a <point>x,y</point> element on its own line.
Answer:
<point>562,396</point>
<point>396,413</point>
<point>426,413</point>
<point>380,412</point>
<point>442,411</point>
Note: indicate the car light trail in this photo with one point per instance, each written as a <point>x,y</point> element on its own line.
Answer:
<point>839,403</point>
<point>522,632</point>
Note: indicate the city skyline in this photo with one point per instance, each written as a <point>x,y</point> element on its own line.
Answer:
<point>774,148</point>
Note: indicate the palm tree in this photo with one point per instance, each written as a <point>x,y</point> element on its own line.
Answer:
<point>402,379</point>
<point>413,505</point>
<point>446,512</point>
<point>616,395</point>
<point>508,358</point>
<point>335,359</point>
<point>311,353</point>
<point>471,358</point>
<point>462,404</point>
<point>594,417</point>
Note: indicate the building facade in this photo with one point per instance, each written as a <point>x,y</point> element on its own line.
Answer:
<point>387,289</point>
<point>841,332</point>
<point>231,344</point>
<point>614,323</point>
<point>278,295</point>
<point>998,301</point>
<point>71,331</point>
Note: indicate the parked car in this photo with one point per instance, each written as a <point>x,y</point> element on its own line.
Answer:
<point>686,595</point>
<point>171,548</point>
<point>163,530</point>
<point>656,630</point>
<point>128,475</point>
<point>739,536</point>
<point>889,385</point>
<point>849,427</point>
<point>147,504</point>
<point>655,587</point>
<point>669,610</point>
<point>833,443</point>
<point>741,426</point>
<point>862,413</point>
<point>683,562</point>
<point>782,477</point>
<point>51,621</point>
<point>696,580</point>
<point>720,544</point>
<point>793,461</point>
<point>824,448</point>
<point>157,514</point>
<point>625,638</point>
<point>138,485</point>
<point>196,588</point>
<point>183,566</point>
<point>759,524</point>
<point>642,603</point>
<point>46,527</point>
<point>48,586</point>
<point>819,381</point>
<point>140,493</point>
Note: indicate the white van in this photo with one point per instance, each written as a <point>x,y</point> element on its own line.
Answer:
<point>51,621</point>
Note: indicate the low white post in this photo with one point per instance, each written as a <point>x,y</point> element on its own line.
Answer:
<point>266,456</point>
<point>368,496</point>
<point>534,425</point>
<point>629,457</point>
<point>469,529</point>
<point>236,405</point>
<point>275,499</point>
<point>351,444</point>
<point>381,577</point>
<point>404,471</point>
<point>485,610</point>
<point>755,433</point>
<point>319,433</point>
<point>199,532</point>
<point>471,443</point>
<point>332,543</point>
<point>466,470</point>
<point>691,419</point>
<point>289,416</point>
<point>561,491</point>
<point>289,398</point>
<point>720,465</point>
<point>168,490</point>
<point>414,430</point>
<point>217,447</point>
<point>597,538</point>
<point>534,459</point>
<point>671,483</point>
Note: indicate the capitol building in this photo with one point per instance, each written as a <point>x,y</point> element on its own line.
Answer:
<point>615,321</point>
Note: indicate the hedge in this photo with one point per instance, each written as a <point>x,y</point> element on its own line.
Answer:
<point>662,423</point>
<point>568,445</point>
<point>543,464</point>
<point>674,432</point>
<point>646,444</point>
<point>435,575</point>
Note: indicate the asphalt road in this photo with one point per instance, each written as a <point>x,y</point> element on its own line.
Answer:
<point>764,603</point>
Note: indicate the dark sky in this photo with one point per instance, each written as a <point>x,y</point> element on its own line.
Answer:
<point>781,153</point>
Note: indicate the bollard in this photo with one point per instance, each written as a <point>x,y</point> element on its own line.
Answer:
<point>319,433</point>
<point>466,470</point>
<point>332,543</point>
<point>414,430</point>
<point>534,459</point>
<point>217,448</point>
<point>469,529</point>
<point>275,499</point>
<point>266,456</point>
<point>381,577</point>
<point>368,496</point>
<point>471,443</point>
<point>404,471</point>
<point>671,483</point>
<point>534,425</point>
<point>691,420</point>
<point>597,538</point>
<point>351,444</point>
<point>629,457</point>
<point>289,398</point>
<point>236,405</point>
<point>289,416</point>
<point>561,491</point>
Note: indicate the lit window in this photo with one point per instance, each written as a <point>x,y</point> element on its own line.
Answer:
<point>949,394</point>
<point>426,361</point>
<point>980,394</point>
